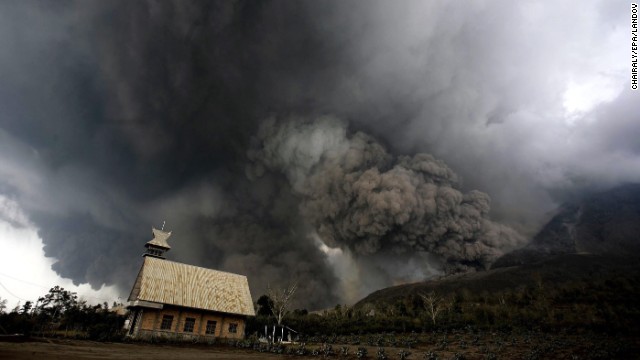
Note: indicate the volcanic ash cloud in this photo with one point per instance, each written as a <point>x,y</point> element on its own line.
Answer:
<point>358,196</point>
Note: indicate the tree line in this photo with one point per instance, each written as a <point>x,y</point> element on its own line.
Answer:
<point>61,313</point>
<point>608,304</point>
<point>599,305</point>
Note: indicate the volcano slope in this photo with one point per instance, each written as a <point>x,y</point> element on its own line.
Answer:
<point>605,223</point>
<point>580,270</point>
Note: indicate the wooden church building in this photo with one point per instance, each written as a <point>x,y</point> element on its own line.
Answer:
<point>177,301</point>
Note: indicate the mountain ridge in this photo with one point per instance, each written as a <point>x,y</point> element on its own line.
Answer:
<point>606,222</point>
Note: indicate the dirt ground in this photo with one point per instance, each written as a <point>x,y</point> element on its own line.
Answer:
<point>490,346</point>
<point>80,349</point>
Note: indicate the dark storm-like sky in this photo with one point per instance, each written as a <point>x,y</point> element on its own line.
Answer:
<point>348,145</point>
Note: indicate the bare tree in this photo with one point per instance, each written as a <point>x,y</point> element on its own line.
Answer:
<point>434,304</point>
<point>3,305</point>
<point>280,299</point>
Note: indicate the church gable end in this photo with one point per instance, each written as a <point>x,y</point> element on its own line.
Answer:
<point>170,298</point>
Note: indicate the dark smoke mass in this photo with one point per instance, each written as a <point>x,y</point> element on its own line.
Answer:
<point>347,145</point>
<point>358,196</point>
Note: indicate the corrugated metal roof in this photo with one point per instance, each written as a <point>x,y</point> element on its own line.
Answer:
<point>180,284</point>
<point>160,238</point>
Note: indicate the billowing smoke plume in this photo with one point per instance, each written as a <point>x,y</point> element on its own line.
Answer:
<point>359,197</point>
